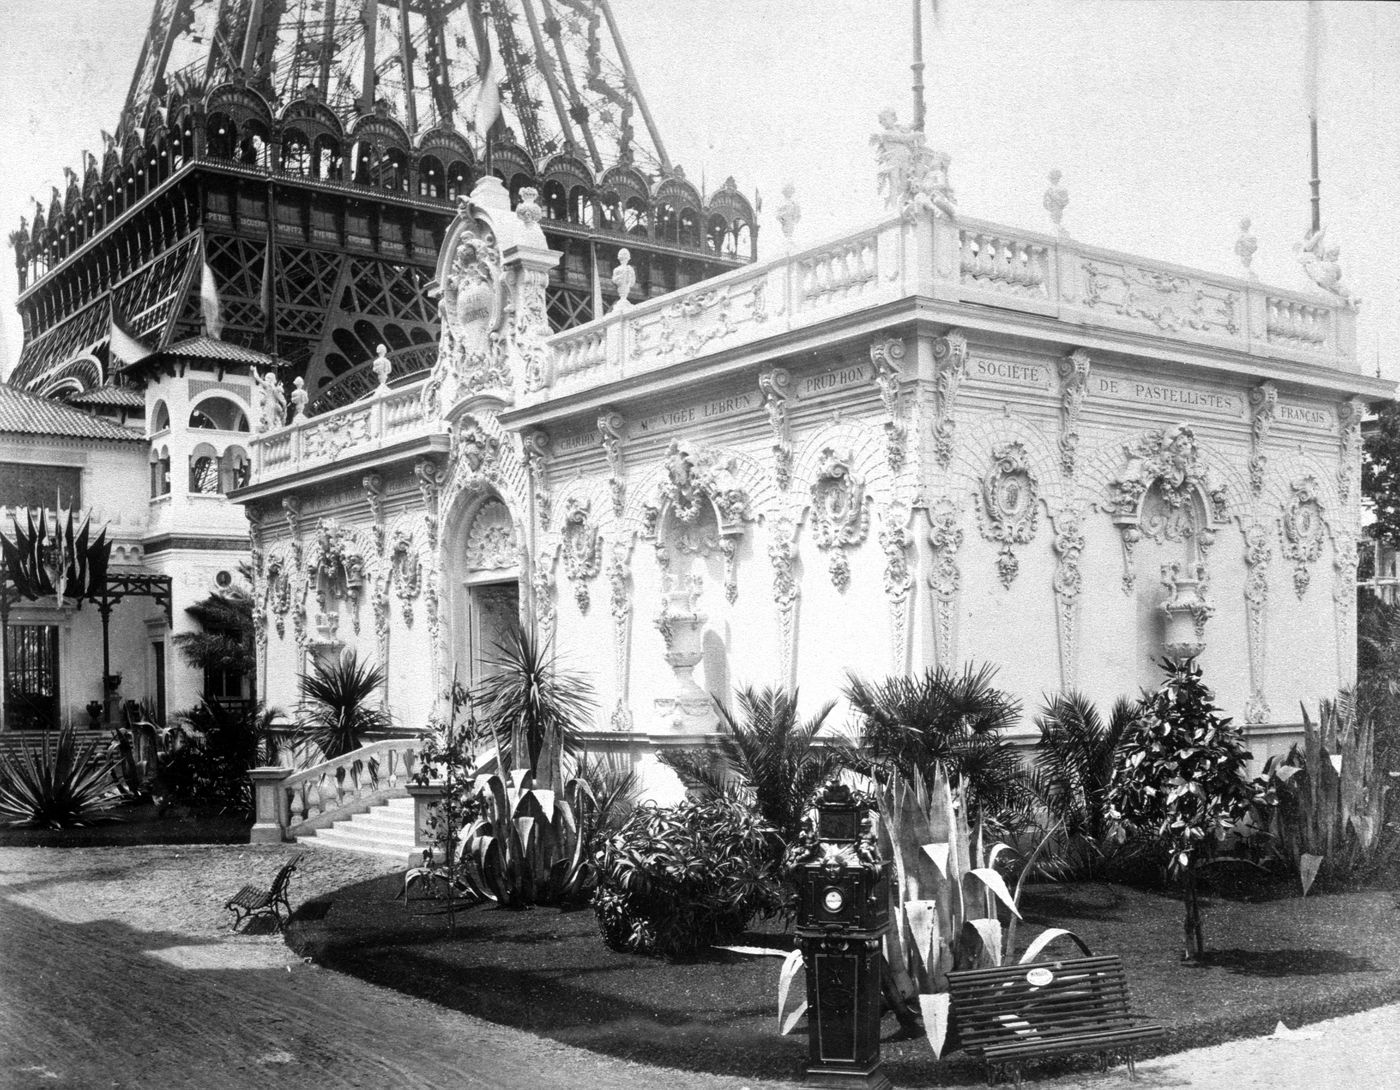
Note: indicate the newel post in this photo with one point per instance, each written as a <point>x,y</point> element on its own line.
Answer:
<point>425,796</point>
<point>271,809</point>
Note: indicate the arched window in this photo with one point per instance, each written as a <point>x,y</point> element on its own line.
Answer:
<point>218,414</point>
<point>221,136</point>
<point>234,469</point>
<point>432,179</point>
<point>716,232</point>
<point>160,472</point>
<point>636,220</point>
<point>459,179</point>
<point>204,471</point>
<point>325,158</point>
<point>690,228</point>
<point>296,153</point>
<point>555,202</point>
<point>743,238</point>
<point>581,207</point>
<point>160,418</point>
<point>391,171</point>
<point>667,223</point>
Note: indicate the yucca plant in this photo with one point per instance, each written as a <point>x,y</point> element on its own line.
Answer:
<point>948,900</point>
<point>953,722</point>
<point>768,757</point>
<point>616,788</point>
<point>1329,818</point>
<point>339,705</point>
<point>1074,762</point>
<point>62,786</point>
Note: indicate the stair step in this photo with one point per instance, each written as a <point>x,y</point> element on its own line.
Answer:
<point>384,830</point>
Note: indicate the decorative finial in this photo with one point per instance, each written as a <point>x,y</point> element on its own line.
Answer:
<point>1056,199</point>
<point>529,209</point>
<point>382,367</point>
<point>1245,246</point>
<point>623,278</point>
<point>789,213</point>
<point>1320,263</point>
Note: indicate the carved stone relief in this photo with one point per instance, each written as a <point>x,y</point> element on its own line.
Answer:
<point>946,538</point>
<point>895,542</point>
<point>1257,554</point>
<point>582,549</point>
<point>543,585</point>
<point>405,572</point>
<point>1344,561</point>
<point>776,386</point>
<point>490,543</point>
<point>429,475</point>
<point>1010,506</point>
<point>887,359</point>
<point>535,449</point>
<point>612,428</point>
<point>950,361</point>
<point>840,513</point>
<point>1349,417</point>
<point>1303,531</point>
<point>373,485</point>
<point>1069,584</point>
<point>620,600</point>
<point>700,509</point>
<point>782,554</point>
<point>471,314</point>
<point>1263,403</point>
<point>1074,383</point>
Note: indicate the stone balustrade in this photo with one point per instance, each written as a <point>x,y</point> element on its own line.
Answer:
<point>958,261</point>
<point>291,803</point>
<point>379,419</point>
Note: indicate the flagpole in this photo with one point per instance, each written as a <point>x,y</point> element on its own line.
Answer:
<point>918,65</point>
<point>1314,28</point>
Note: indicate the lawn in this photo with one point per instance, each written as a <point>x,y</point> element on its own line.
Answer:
<point>548,972</point>
<point>133,824</point>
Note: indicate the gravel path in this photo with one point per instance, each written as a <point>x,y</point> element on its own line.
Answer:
<point>116,971</point>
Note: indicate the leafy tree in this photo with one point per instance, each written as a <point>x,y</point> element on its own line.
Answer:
<point>768,757</point>
<point>1380,474</point>
<point>1180,779</point>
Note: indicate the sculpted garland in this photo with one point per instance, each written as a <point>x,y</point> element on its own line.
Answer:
<point>1302,531</point>
<point>840,513</point>
<point>1256,596</point>
<point>582,549</point>
<point>776,386</point>
<point>1010,506</point>
<point>887,359</point>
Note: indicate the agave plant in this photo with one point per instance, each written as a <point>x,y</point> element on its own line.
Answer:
<point>947,901</point>
<point>1331,797</point>
<point>769,758</point>
<point>338,705</point>
<point>61,786</point>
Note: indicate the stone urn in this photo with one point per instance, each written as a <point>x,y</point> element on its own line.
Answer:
<point>1186,609</point>
<point>682,625</point>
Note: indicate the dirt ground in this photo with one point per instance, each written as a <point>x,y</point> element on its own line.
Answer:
<point>116,971</point>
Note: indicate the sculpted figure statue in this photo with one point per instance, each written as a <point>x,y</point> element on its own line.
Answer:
<point>1055,201</point>
<point>623,278</point>
<point>1245,246</point>
<point>912,176</point>
<point>383,368</point>
<point>299,399</point>
<point>789,213</point>
<point>274,401</point>
<point>1320,263</point>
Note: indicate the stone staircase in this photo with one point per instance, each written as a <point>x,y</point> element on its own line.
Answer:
<point>385,829</point>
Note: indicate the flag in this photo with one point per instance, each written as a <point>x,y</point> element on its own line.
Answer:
<point>122,341</point>
<point>209,302</point>
<point>265,295</point>
<point>488,102</point>
<point>597,284</point>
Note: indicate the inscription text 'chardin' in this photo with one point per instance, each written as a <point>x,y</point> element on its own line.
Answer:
<point>584,440</point>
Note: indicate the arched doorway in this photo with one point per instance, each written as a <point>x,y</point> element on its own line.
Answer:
<point>485,554</point>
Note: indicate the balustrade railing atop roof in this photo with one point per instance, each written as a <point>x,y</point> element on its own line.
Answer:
<point>1092,290</point>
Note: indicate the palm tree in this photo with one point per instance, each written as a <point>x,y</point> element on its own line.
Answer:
<point>534,707</point>
<point>953,720</point>
<point>767,756</point>
<point>336,710</point>
<point>1074,769</point>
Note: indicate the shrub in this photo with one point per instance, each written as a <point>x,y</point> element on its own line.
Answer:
<point>676,880</point>
<point>62,786</point>
<point>223,742</point>
<point>1180,779</point>
<point>336,710</point>
<point>954,722</point>
<point>767,758</point>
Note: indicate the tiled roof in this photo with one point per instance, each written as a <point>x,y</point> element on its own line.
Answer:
<point>28,414</point>
<point>207,348</point>
<point>122,397</point>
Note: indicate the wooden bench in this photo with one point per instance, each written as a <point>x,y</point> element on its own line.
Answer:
<point>1013,1013</point>
<point>253,901</point>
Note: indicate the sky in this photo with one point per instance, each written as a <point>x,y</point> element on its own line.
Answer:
<point>1170,119</point>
